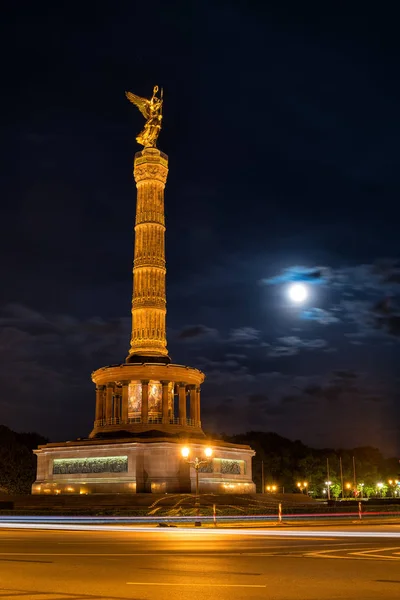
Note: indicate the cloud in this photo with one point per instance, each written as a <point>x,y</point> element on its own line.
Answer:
<point>226,377</point>
<point>313,276</point>
<point>196,332</point>
<point>258,399</point>
<point>279,351</point>
<point>215,364</point>
<point>244,335</point>
<point>297,342</point>
<point>222,408</point>
<point>319,315</point>
<point>290,345</point>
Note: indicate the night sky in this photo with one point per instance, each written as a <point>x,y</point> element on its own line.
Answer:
<point>282,128</point>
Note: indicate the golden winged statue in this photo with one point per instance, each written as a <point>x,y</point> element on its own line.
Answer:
<point>152,112</point>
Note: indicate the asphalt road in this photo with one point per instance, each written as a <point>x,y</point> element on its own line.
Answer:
<point>207,564</point>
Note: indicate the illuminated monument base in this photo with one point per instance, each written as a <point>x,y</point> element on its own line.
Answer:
<point>136,465</point>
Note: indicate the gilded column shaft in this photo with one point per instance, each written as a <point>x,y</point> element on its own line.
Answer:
<point>149,296</point>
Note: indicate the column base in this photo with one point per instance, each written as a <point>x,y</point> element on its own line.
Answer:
<point>138,359</point>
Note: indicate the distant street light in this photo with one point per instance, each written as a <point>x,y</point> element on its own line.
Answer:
<point>197,463</point>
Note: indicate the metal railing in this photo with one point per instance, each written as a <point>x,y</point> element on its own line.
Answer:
<point>151,421</point>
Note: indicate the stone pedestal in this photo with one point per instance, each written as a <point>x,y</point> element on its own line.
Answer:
<point>136,466</point>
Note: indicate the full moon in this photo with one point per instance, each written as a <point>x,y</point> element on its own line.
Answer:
<point>298,292</point>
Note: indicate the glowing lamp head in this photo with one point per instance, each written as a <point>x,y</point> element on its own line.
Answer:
<point>297,293</point>
<point>185,452</point>
<point>208,452</point>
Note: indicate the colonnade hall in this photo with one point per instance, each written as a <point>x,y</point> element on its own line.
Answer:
<point>146,408</point>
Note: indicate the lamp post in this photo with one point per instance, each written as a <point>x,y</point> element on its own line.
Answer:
<point>328,487</point>
<point>380,486</point>
<point>361,486</point>
<point>197,463</point>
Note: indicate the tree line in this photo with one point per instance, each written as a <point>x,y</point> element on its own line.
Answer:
<point>287,463</point>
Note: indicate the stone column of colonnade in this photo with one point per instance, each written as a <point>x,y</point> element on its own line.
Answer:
<point>100,415</point>
<point>112,403</point>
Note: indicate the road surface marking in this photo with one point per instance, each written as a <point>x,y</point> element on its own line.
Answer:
<point>372,554</point>
<point>352,555</point>
<point>241,585</point>
<point>117,543</point>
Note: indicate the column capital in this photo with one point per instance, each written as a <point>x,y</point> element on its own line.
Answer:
<point>145,381</point>
<point>165,382</point>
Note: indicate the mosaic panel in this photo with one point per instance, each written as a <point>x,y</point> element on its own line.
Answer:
<point>134,399</point>
<point>208,468</point>
<point>230,466</point>
<point>155,398</point>
<point>106,464</point>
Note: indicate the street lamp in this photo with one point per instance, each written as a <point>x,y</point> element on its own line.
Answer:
<point>271,488</point>
<point>197,463</point>
<point>302,485</point>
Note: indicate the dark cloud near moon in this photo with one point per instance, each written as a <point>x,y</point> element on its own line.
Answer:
<point>313,276</point>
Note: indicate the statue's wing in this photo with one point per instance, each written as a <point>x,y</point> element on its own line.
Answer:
<point>141,103</point>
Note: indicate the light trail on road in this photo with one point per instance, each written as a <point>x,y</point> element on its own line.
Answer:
<point>210,532</point>
<point>104,520</point>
